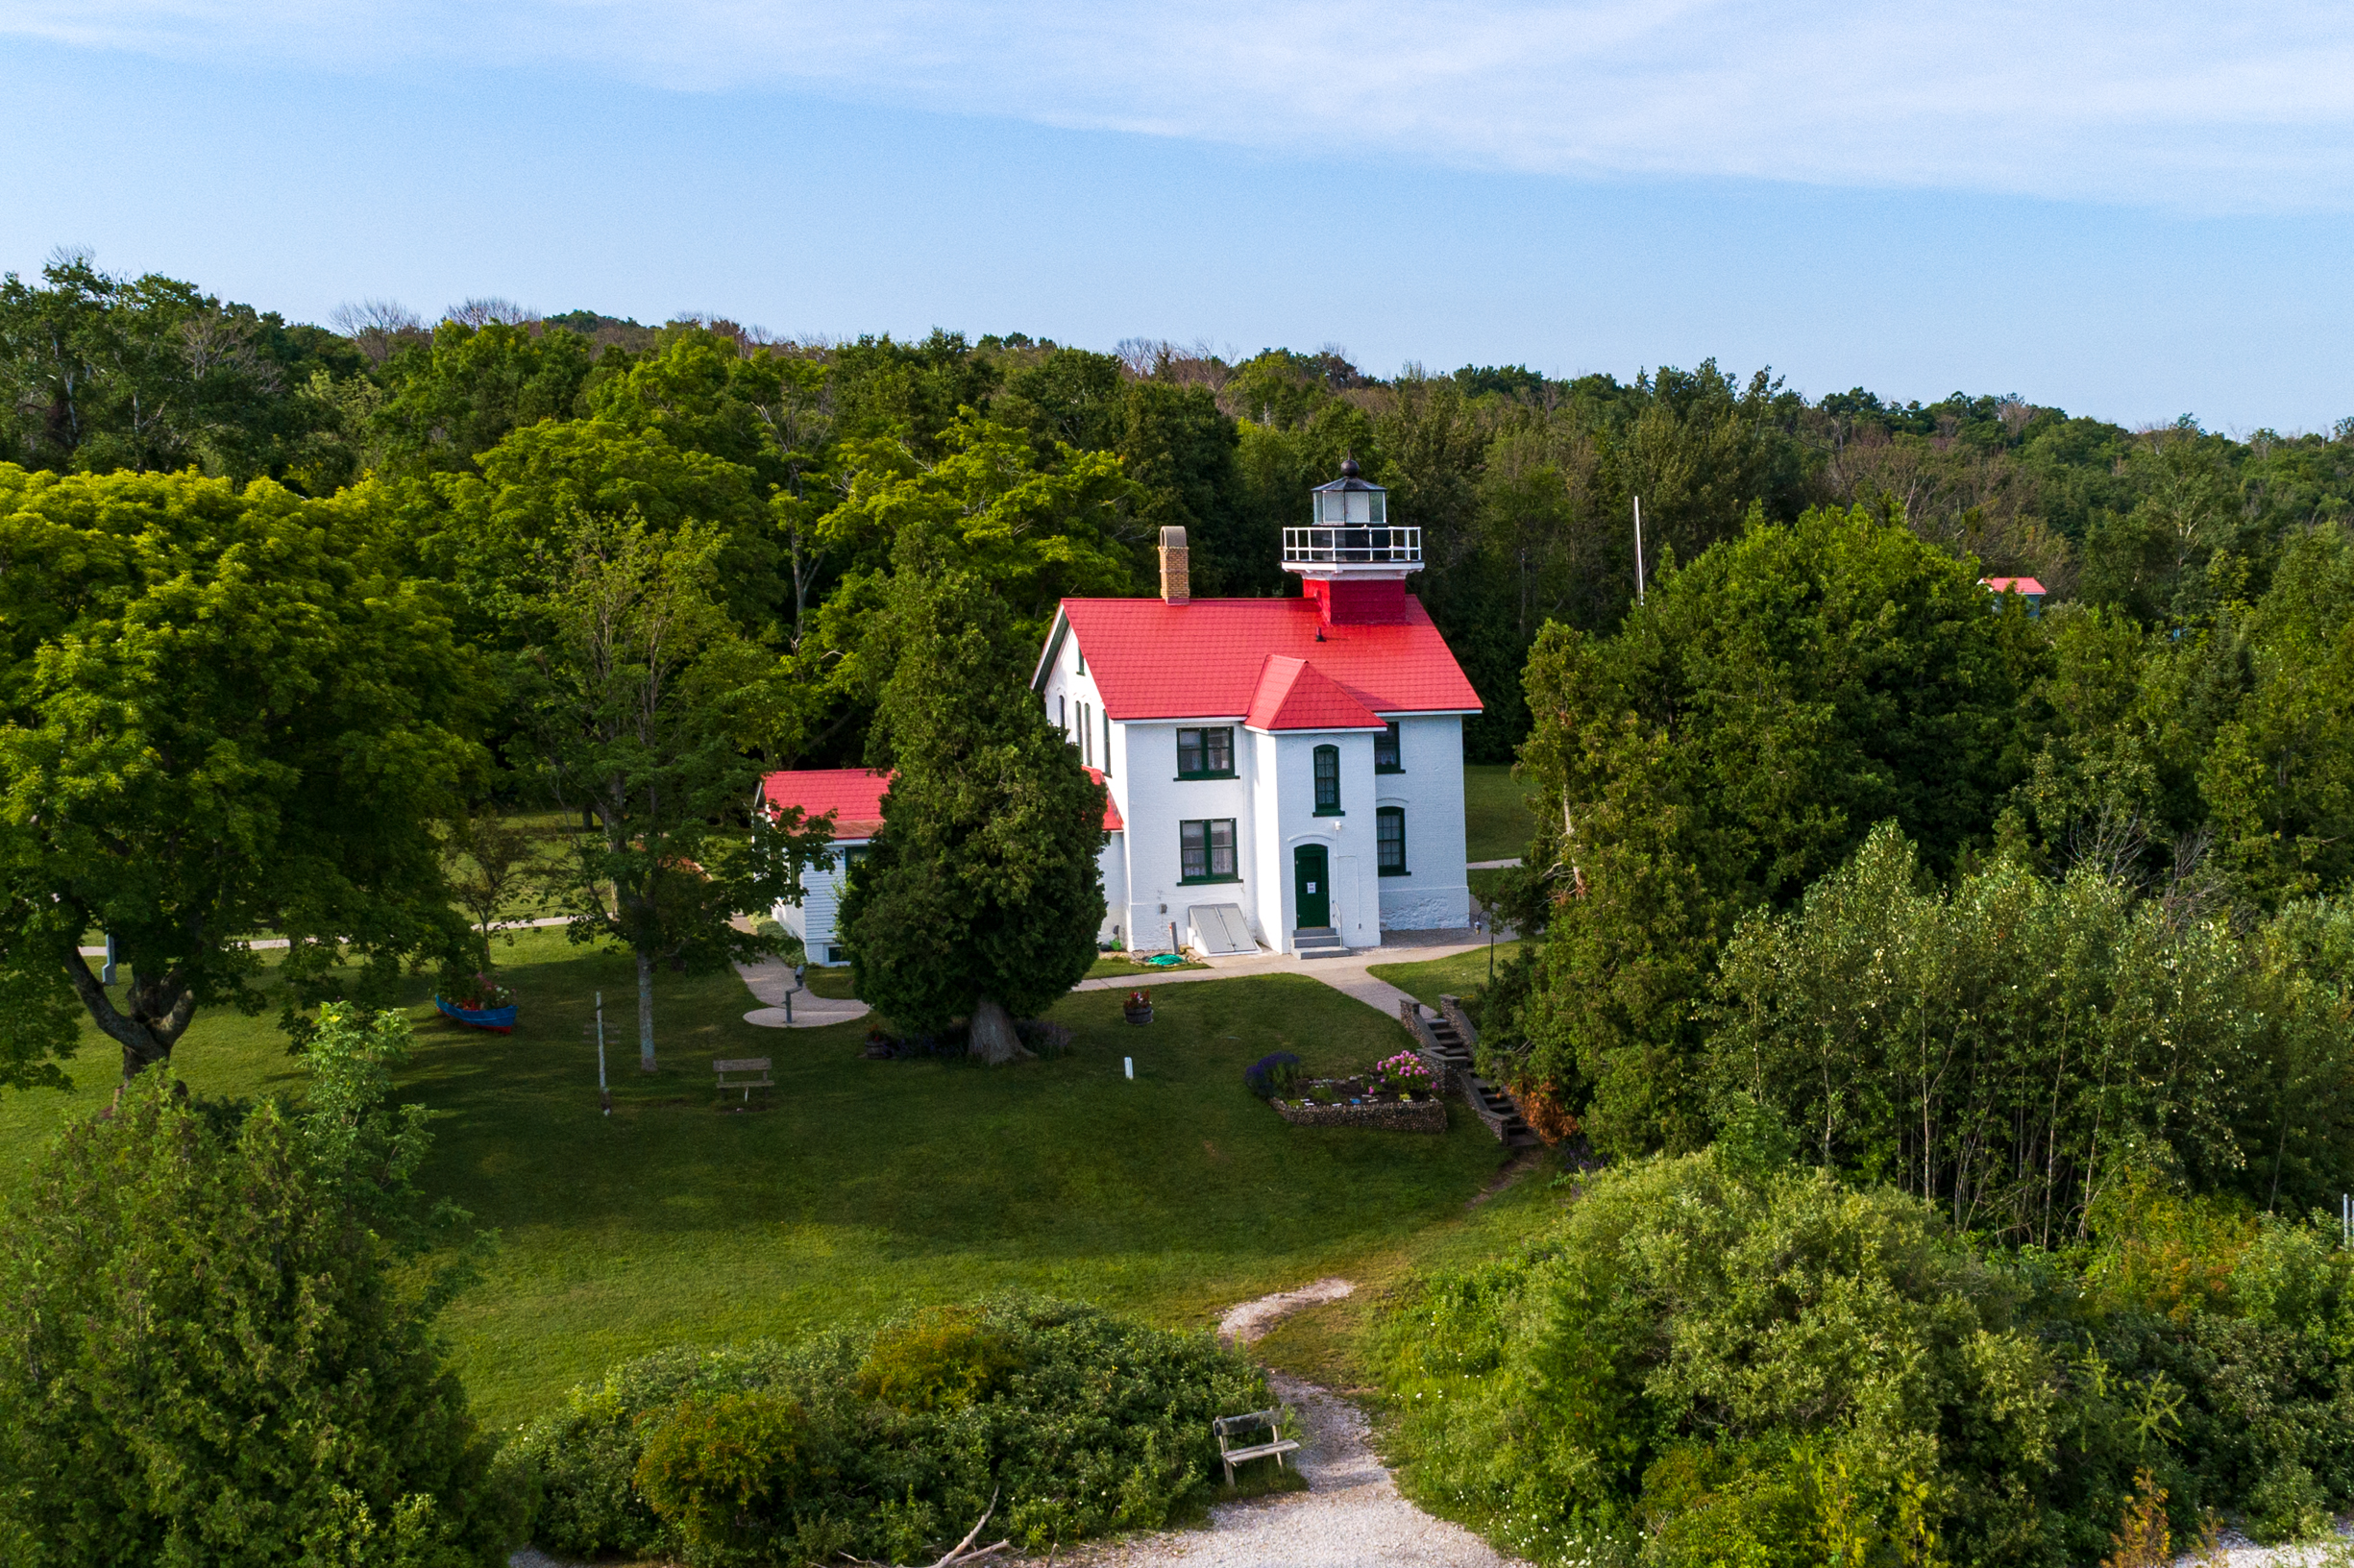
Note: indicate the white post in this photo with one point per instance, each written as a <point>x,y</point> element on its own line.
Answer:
<point>1128,1063</point>
<point>1638,549</point>
<point>604,1095</point>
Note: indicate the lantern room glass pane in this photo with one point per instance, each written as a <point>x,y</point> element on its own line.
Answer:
<point>1381,510</point>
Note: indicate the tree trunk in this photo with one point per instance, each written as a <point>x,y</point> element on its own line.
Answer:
<point>990,1036</point>
<point>646,1013</point>
<point>155,1015</point>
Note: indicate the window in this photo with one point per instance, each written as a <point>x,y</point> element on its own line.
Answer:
<point>1106,745</point>
<point>836,955</point>
<point>1205,753</point>
<point>1087,739</point>
<point>1062,714</point>
<point>1080,654</point>
<point>1385,750</point>
<point>1206,851</point>
<point>1328,781</point>
<point>1390,840</point>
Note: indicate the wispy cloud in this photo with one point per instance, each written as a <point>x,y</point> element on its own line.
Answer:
<point>2212,107</point>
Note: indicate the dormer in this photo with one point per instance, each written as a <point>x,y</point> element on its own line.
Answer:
<point>1350,560</point>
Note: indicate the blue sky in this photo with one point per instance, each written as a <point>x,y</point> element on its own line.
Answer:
<point>2132,212</point>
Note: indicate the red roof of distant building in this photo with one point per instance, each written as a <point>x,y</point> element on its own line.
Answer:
<point>1205,660</point>
<point>2015,585</point>
<point>855,796</point>
<point>1295,695</point>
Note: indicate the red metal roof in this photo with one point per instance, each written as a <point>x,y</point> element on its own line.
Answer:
<point>2014,585</point>
<point>1205,660</point>
<point>855,795</point>
<point>1294,694</point>
<point>1110,813</point>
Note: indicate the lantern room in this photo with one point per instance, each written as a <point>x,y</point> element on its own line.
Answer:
<point>1350,559</point>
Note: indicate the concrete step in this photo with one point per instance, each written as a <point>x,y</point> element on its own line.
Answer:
<point>1319,941</point>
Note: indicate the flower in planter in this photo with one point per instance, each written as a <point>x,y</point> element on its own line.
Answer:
<point>1403,1074</point>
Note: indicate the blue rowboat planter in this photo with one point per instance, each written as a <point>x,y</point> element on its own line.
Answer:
<point>499,1019</point>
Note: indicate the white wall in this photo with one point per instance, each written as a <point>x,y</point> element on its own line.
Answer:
<point>1113,862</point>
<point>1156,801</point>
<point>813,919</point>
<point>1063,692</point>
<point>1434,894</point>
<point>1289,819</point>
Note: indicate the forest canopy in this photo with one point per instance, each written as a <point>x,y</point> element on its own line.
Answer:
<point>486,430</point>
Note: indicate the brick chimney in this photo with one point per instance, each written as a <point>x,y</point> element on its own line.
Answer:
<point>1176,586</point>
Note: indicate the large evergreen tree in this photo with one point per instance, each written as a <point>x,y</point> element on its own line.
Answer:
<point>982,896</point>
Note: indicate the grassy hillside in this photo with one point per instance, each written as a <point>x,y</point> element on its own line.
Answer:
<point>868,1186</point>
<point>1496,819</point>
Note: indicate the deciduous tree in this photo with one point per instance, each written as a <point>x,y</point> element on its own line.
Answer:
<point>642,696</point>
<point>221,716</point>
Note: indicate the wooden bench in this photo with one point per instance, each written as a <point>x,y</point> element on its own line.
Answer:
<point>744,1072</point>
<point>1227,1426</point>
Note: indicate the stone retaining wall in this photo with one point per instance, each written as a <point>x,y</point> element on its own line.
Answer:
<point>1392,1116</point>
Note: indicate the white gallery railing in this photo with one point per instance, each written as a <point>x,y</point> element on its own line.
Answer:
<point>1353,543</point>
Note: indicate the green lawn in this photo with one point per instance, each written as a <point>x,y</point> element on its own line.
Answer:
<point>1457,976</point>
<point>1496,819</point>
<point>869,1185</point>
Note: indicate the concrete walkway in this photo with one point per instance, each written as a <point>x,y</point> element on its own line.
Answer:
<point>771,978</point>
<point>1348,975</point>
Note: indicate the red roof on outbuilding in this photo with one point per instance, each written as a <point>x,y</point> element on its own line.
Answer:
<point>2015,585</point>
<point>855,795</point>
<point>1151,659</point>
<point>1295,695</point>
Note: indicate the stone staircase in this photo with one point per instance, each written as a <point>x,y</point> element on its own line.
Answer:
<point>1317,941</point>
<point>1445,1042</point>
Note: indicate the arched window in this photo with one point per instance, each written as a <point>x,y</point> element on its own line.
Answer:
<point>1328,781</point>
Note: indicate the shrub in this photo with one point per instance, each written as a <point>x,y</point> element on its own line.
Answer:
<point>1725,1349</point>
<point>713,1466</point>
<point>218,1347</point>
<point>1271,1075</point>
<point>944,1359</point>
<point>1079,1423</point>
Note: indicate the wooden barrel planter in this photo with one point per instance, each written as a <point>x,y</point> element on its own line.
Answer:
<point>1138,1008</point>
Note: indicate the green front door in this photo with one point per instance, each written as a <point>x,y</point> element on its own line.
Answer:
<point>1312,886</point>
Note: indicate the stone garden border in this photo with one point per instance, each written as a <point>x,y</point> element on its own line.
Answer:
<point>1424,1116</point>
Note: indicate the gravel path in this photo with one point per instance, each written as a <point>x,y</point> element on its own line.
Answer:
<point>1351,1516</point>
